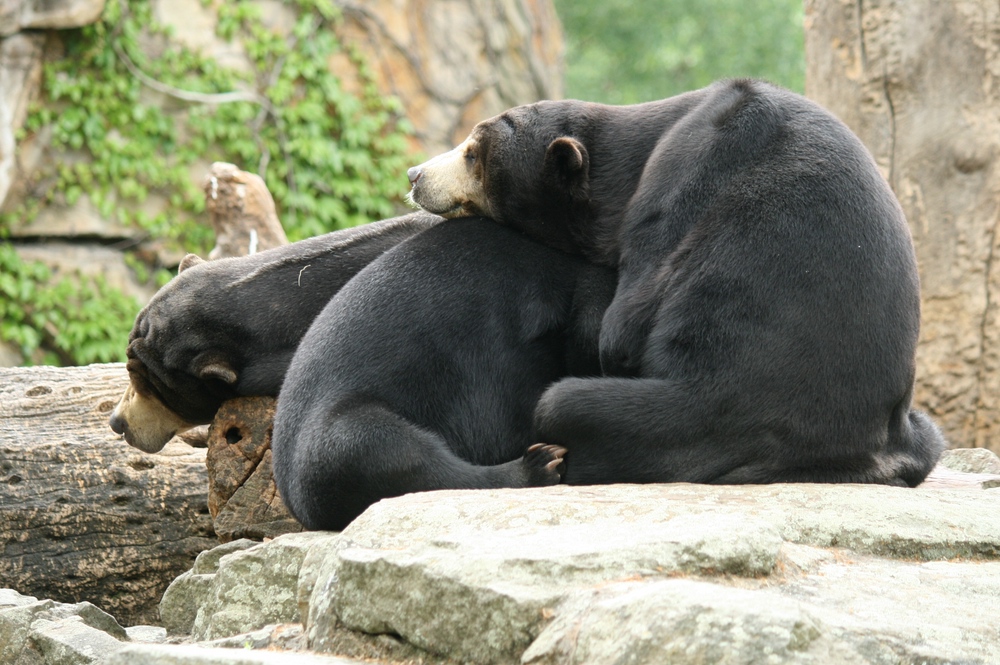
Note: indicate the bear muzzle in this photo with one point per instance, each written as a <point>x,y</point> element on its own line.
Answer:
<point>145,422</point>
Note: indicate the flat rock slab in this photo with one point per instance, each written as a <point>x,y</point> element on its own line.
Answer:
<point>679,573</point>
<point>778,573</point>
<point>162,654</point>
<point>887,521</point>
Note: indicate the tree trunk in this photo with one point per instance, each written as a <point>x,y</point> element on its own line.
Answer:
<point>919,82</point>
<point>83,516</point>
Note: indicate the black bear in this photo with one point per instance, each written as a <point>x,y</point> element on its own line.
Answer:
<point>229,327</point>
<point>766,316</point>
<point>424,370</point>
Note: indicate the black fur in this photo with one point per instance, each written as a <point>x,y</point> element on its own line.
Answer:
<point>247,314</point>
<point>423,372</point>
<point>766,318</point>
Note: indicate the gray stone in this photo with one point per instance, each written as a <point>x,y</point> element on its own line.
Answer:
<point>477,575</point>
<point>480,595</point>
<point>318,579</point>
<point>255,587</point>
<point>207,563</point>
<point>971,460</point>
<point>10,598</point>
<point>16,616</point>
<point>181,601</point>
<point>188,592</point>
<point>887,521</point>
<point>852,610</point>
<point>146,634</point>
<point>68,641</point>
<point>92,616</point>
<point>679,622</point>
<point>16,15</point>
<point>280,637</point>
<point>33,631</point>
<point>193,655</point>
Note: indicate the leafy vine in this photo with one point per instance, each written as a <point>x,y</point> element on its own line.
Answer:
<point>133,116</point>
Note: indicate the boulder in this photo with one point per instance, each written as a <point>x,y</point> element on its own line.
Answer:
<point>679,573</point>
<point>255,587</point>
<point>34,631</point>
<point>17,15</point>
<point>192,655</point>
<point>481,576</point>
<point>186,594</point>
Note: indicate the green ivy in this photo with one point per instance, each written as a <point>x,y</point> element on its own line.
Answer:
<point>331,157</point>
<point>66,321</point>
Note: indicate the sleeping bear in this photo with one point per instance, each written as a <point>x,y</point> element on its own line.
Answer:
<point>424,370</point>
<point>226,328</point>
<point>766,314</point>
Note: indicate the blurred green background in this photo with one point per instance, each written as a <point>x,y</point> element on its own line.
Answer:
<point>630,51</point>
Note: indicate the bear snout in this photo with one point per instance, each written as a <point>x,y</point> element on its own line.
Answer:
<point>118,424</point>
<point>414,173</point>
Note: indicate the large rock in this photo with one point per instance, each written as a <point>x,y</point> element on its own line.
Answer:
<point>255,587</point>
<point>188,593</point>
<point>631,573</point>
<point>44,631</point>
<point>17,15</point>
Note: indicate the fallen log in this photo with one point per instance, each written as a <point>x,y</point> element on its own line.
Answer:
<point>83,516</point>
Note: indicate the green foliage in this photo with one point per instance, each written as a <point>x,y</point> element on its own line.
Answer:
<point>135,117</point>
<point>629,51</point>
<point>66,321</point>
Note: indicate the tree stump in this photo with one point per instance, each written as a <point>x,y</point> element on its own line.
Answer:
<point>83,516</point>
<point>242,212</point>
<point>919,82</point>
<point>242,496</point>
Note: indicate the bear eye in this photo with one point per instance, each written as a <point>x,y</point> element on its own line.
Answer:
<point>470,157</point>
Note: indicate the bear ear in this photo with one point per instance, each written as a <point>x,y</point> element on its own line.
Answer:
<point>220,371</point>
<point>567,160</point>
<point>189,261</point>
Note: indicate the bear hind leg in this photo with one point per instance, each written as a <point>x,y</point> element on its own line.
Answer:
<point>356,454</point>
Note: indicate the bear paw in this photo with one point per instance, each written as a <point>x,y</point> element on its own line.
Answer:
<point>543,464</point>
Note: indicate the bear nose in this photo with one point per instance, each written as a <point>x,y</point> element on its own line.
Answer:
<point>414,173</point>
<point>117,423</point>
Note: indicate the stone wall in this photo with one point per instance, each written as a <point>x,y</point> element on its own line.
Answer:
<point>450,62</point>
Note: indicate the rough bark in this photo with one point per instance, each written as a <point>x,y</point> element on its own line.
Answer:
<point>919,82</point>
<point>83,516</point>
<point>242,496</point>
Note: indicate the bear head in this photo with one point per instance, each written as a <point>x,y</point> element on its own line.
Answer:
<point>527,168</point>
<point>178,377</point>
